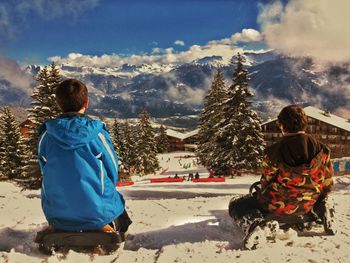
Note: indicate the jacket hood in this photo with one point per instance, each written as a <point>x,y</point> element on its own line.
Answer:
<point>72,131</point>
<point>294,150</point>
<point>315,163</point>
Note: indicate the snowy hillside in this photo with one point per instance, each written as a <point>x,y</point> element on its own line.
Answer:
<point>177,222</point>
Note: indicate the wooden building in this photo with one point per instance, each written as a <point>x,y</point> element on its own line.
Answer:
<point>330,129</point>
<point>182,141</point>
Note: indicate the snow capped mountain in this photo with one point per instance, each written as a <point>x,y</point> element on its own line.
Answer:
<point>124,71</point>
<point>214,61</point>
<point>178,90</point>
<point>255,58</point>
<point>32,69</point>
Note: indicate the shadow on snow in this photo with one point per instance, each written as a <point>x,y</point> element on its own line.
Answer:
<point>221,228</point>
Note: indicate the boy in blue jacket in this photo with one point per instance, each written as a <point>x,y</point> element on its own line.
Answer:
<point>79,168</point>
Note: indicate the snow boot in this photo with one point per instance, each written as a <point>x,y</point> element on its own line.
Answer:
<point>260,233</point>
<point>324,208</point>
<point>329,216</point>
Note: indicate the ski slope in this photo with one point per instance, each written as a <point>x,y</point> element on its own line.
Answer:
<point>173,222</point>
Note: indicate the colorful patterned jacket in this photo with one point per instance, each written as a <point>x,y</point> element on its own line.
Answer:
<point>293,190</point>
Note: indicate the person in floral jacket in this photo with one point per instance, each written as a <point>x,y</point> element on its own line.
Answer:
<point>296,179</point>
<point>297,169</point>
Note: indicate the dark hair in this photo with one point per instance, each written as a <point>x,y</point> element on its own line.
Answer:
<point>293,119</point>
<point>71,94</point>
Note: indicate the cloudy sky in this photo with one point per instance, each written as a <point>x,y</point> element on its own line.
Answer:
<point>34,30</point>
<point>113,32</point>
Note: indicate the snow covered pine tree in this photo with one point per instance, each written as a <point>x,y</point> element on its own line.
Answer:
<point>146,161</point>
<point>129,143</point>
<point>116,136</point>
<point>211,114</point>
<point>43,107</point>
<point>11,147</point>
<point>238,131</point>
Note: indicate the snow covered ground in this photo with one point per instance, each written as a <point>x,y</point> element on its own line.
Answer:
<point>173,222</point>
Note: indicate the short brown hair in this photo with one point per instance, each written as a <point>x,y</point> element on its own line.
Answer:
<point>71,94</point>
<point>293,119</point>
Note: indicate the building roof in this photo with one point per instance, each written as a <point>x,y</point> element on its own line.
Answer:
<point>325,117</point>
<point>180,135</point>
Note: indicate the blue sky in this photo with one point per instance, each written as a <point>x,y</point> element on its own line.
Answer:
<point>33,30</point>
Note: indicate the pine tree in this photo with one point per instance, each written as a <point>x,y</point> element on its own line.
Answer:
<point>239,134</point>
<point>147,161</point>
<point>11,146</point>
<point>129,144</point>
<point>162,140</point>
<point>211,114</point>
<point>116,136</point>
<point>55,78</point>
<point>43,107</point>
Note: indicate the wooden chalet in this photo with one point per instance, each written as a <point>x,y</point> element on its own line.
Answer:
<point>182,141</point>
<point>330,129</point>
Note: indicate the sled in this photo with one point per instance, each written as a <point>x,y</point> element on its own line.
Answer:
<point>166,180</point>
<point>208,180</point>
<point>121,184</point>
<point>307,225</point>
<point>87,242</point>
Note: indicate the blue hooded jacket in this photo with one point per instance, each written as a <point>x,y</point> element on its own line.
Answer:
<point>80,171</point>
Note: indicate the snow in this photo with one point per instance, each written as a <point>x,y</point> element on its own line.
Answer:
<point>174,222</point>
<point>180,135</point>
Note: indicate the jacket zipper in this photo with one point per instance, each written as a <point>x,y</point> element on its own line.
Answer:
<point>102,177</point>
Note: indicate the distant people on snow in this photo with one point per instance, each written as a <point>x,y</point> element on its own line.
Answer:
<point>196,176</point>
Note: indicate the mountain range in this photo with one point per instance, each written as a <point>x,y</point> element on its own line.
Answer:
<point>178,90</point>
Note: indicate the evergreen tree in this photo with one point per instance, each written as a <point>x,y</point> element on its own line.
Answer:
<point>129,144</point>
<point>43,107</point>
<point>211,114</point>
<point>55,78</point>
<point>146,161</point>
<point>162,140</point>
<point>238,133</point>
<point>11,146</point>
<point>116,136</point>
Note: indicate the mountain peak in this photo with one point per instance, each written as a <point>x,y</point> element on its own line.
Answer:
<point>215,61</point>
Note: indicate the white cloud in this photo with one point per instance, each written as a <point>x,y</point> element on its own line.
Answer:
<point>158,55</point>
<point>125,96</point>
<point>224,47</point>
<point>247,35</point>
<point>307,27</point>
<point>185,94</point>
<point>179,43</point>
<point>11,72</point>
<point>161,56</point>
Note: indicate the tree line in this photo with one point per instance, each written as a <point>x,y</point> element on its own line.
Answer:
<point>136,146</point>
